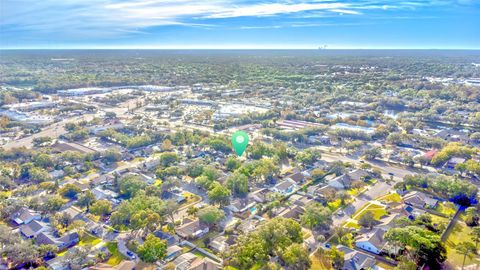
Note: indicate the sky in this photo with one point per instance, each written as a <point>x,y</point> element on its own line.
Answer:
<point>240,24</point>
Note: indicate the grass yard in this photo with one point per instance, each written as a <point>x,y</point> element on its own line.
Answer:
<point>89,239</point>
<point>353,224</point>
<point>459,233</point>
<point>392,197</point>
<point>320,262</point>
<point>446,208</point>
<point>438,220</point>
<point>377,210</point>
<point>116,257</point>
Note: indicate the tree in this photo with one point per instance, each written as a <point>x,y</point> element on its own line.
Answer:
<point>219,194</point>
<point>44,161</point>
<point>343,196</point>
<point>38,175</point>
<point>101,208</point>
<point>192,210</point>
<point>39,141</point>
<point>53,203</point>
<point>210,215</point>
<point>271,237</point>
<point>421,242</point>
<point>232,163</point>
<point>167,145</point>
<point>337,257</point>
<point>296,256</point>
<point>317,174</point>
<point>472,216</point>
<point>169,208</point>
<point>130,185</point>
<point>69,191</point>
<point>111,156</point>
<point>316,216</point>
<point>238,184</point>
<point>168,159</point>
<point>367,220</point>
<point>86,200</point>
<point>475,234</point>
<point>372,153</point>
<point>467,249</point>
<point>153,249</point>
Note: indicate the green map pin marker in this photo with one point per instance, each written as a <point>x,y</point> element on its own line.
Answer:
<point>240,142</point>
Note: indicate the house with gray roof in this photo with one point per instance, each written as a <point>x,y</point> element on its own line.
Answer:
<point>356,260</point>
<point>372,241</point>
<point>34,228</point>
<point>25,216</point>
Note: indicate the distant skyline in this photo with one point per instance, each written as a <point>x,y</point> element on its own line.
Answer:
<point>239,24</point>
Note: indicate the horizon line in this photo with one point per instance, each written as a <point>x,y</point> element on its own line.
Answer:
<point>238,48</point>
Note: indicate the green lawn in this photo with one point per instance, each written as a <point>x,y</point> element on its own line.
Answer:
<point>116,257</point>
<point>377,210</point>
<point>446,208</point>
<point>392,197</point>
<point>459,233</point>
<point>89,239</point>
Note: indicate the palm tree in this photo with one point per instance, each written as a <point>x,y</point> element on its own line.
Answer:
<point>465,249</point>
<point>475,233</point>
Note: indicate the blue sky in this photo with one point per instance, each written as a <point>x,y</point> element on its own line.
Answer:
<point>366,24</point>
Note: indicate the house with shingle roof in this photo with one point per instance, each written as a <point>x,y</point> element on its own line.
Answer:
<point>192,229</point>
<point>34,228</point>
<point>25,216</point>
<point>372,241</point>
<point>420,200</point>
<point>285,187</point>
<point>356,260</point>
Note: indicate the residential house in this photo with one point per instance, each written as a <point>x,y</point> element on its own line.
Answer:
<point>262,195</point>
<point>205,264</point>
<point>184,261</point>
<point>192,229</point>
<point>34,228</point>
<point>123,265</point>
<point>170,239</point>
<point>242,207</point>
<point>356,260</point>
<point>293,212</point>
<point>105,179</point>
<point>175,195</point>
<point>299,200</point>
<point>172,252</point>
<point>64,242</point>
<point>218,244</point>
<point>285,187</point>
<point>453,162</point>
<point>73,213</point>
<point>420,200</point>
<point>453,136</point>
<point>298,178</point>
<point>345,181</point>
<point>25,216</point>
<point>104,194</point>
<point>372,241</point>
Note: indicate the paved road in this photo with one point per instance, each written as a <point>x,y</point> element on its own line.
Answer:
<point>386,168</point>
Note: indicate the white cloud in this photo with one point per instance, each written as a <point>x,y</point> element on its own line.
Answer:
<point>123,17</point>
